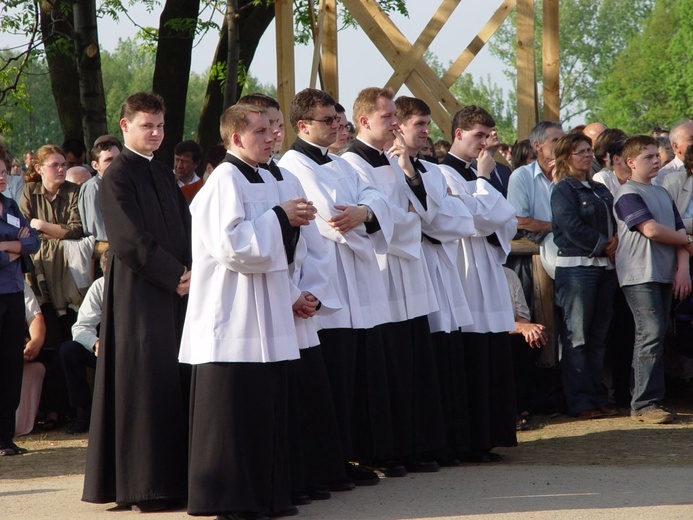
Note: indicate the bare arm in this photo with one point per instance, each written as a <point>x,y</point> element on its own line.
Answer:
<point>533,225</point>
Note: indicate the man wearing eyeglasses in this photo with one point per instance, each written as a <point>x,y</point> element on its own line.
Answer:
<point>350,216</point>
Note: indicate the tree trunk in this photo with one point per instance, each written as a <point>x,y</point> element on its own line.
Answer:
<point>253,22</point>
<point>88,57</point>
<point>56,31</point>
<point>233,37</point>
<point>172,68</point>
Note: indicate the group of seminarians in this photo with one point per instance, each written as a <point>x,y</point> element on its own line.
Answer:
<point>340,314</point>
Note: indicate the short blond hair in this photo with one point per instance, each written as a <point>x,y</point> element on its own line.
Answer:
<point>235,119</point>
<point>366,101</point>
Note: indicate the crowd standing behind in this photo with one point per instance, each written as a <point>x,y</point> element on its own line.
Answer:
<point>342,311</point>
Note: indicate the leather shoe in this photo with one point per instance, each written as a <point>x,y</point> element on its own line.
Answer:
<point>321,492</point>
<point>421,466</point>
<point>589,414</point>
<point>301,498</point>
<point>289,511</point>
<point>360,476</point>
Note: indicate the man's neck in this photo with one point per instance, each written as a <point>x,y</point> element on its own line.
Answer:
<point>188,179</point>
<point>461,155</point>
<point>146,156</point>
<point>246,160</point>
<point>543,163</point>
<point>323,149</point>
<point>372,143</point>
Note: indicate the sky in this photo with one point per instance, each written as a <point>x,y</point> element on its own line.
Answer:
<point>355,48</point>
<point>360,63</point>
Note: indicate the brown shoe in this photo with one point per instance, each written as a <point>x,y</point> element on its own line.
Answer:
<point>589,414</point>
<point>608,411</point>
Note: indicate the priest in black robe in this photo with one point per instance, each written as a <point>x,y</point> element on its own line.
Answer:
<point>137,453</point>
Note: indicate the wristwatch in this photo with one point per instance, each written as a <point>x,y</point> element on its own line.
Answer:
<point>369,213</point>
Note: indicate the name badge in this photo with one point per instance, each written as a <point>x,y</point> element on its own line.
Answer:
<point>13,221</point>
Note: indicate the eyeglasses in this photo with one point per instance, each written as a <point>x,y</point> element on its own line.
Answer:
<point>327,120</point>
<point>56,166</point>
<point>582,153</point>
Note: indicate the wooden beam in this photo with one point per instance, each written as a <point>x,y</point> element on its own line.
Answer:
<point>488,30</point>
<point>286,75</point>
<point>552,101</point>
<point>329,61</point>
<point>393,45</point>
<point>317,43</point>
<point>526,84</point>
<point>408,62</point>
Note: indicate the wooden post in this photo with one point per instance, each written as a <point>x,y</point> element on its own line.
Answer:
<point>526,84</point>
<point>550,60</point>
<point>317,43</point>
<point>406,65</point>
<point>286,75</point>
<point>478,42</point>
<point>330,71</point>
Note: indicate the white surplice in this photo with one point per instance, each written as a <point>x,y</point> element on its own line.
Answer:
<point>409,286</point>
<point>310,270</point>
<point>446,219</point>
<point>481,264</point>
<point>354,269</point>
<point>239,307</point>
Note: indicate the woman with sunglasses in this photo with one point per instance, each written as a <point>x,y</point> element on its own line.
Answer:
<point>16,239</point>
<point>49,203</point>
<point>585,235</point>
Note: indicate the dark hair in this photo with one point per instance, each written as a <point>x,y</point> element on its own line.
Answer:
<point>142,102</point>
<point>604,141</point>
<point>189,146</point>
<point>339,109</point>
<point>74,146</point>
<point>215,155</point>
<point>520,153</point>
<point>305,102</point>
<point>259,100</point>
<point>471,115</point>
<point>410,106</point>
<point>101,145</point>
<point>564,148</point>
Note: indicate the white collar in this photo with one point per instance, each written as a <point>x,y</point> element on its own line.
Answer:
<point>148,157</point>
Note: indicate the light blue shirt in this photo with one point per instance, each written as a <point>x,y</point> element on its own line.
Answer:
<point>529,191</point>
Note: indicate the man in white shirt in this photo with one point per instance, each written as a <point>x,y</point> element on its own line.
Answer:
<point>239,331</point>
<point>681,137</point>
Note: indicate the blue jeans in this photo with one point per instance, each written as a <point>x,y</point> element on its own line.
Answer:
<point>585,298</point>
<point>650,303</point>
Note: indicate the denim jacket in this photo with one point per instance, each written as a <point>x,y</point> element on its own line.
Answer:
<point>582,217</point>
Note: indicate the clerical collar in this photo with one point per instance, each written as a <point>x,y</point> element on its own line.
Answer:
<point>249,171</point>
<point>317,154</point>
<point>148,157</point>
<point>369,153</point>
<point>272,167</point>
<point>467,164</point>
<point>323,149</point>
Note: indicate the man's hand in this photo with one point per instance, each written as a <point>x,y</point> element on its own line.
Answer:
<point>184,283</point>
<point>305,306</point>
<point>682,283</point>
<point>349,218</point>
<point>31,350</point>
<point>534,334</point>
<point>299,211</point>
<point>400,149</point>
<point>485,164</point>
<point>96,347</point>
<point>610,249</point>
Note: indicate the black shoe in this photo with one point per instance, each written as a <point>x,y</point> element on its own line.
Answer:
<point>360,476</point>
<point>301,498</point>
<point>77,427</point>
<point>150,506</point>
<point>10,449</point>
<point>394,470</point>
<point>321,492</point>
<point>449,461</point>
<point>421,466</point>
<point>289,511</point>
<point>243,515</point>
<point>481,456</point>
<point>342,485</point>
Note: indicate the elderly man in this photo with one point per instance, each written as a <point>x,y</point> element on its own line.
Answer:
<point>681,137</point>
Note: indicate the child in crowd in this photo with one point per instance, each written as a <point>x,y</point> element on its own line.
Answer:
<point>652,263</point>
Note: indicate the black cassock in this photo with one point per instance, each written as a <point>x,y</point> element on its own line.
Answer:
<point>138,437</point>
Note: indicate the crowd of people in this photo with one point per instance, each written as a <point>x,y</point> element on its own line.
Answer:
<point>269,328</point>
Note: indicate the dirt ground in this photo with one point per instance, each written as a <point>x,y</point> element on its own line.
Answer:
<point>56,460</point>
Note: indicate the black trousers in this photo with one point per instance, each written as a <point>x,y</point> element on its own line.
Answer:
<point>74,360</point>
<point>12,324</point>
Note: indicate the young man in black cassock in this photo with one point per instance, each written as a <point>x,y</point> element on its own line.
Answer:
<point>137,453</point>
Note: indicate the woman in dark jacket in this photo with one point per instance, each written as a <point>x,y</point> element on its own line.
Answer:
<point>16,239</point>
<point>585,234</point>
